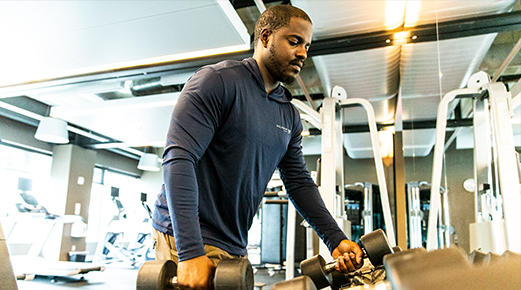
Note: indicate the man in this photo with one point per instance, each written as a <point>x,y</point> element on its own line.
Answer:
<point>232,126</point>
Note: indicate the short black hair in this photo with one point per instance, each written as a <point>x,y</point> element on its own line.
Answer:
<point>276,17</point>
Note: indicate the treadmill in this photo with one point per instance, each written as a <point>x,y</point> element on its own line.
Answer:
<point>26,267</point>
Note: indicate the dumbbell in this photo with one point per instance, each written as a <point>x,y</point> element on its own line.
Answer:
<point>300,283</point>
<point>375,246</point>
<point>229,274</point>
<point>477,257</point>
<point>414,268</point>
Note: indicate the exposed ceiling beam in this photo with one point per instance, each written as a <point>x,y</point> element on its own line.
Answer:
<point>237,4</point>
<point>407,125</point>
<point>423,33</point>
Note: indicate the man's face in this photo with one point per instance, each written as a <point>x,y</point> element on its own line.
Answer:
<point>288,50</point>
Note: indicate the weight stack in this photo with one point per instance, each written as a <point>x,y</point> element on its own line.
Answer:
<point>274,230</point>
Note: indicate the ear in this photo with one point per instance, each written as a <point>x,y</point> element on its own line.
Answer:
<point>265,37</point>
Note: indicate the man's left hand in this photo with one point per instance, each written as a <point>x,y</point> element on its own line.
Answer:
<point>349,256</point>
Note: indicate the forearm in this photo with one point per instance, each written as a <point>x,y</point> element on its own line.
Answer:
<point>182,198</point>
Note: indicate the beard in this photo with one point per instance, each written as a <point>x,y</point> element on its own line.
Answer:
<point>277,67</point>
<point>290,80</point>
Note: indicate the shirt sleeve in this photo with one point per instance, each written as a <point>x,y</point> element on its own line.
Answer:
<point>193,123</point>
<point>304,194</point>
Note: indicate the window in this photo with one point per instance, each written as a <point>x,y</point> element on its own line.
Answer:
<point>19,162</point>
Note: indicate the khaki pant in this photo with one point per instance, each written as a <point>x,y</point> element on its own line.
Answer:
<point>164,246</point>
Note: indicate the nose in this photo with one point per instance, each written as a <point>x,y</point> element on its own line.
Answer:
<point>302,53</point>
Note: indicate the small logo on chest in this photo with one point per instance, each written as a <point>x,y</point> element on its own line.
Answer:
<point>286,130</point>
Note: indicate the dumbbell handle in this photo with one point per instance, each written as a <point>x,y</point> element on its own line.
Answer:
<point>173,282</point>
<point>330,267</point>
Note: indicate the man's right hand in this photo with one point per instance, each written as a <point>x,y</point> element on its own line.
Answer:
<point>196,273</point>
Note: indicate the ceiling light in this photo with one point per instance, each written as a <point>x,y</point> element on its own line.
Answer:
<point>76,89</point>
<point>68,100</point>
<point>401,37</point>
<point>412,13</point>
<point>52,130</point>
<point>394,14</point>
<point>386,142</point>
<point>148,162</point>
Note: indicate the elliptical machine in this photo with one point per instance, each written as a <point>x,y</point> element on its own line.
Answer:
<point>111,250</point>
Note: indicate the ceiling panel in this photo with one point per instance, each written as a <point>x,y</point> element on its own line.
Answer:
<point>104,33</point>
<point>418,142</point>
<point>456,59</point>
<point>333,18</point>
<point>418,109</point>
<point>431,11</point>
<point>422,64</point>
<point>369,74</point>
<point>32,18</point>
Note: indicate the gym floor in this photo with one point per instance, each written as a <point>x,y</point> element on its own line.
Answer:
<point>122,279</point>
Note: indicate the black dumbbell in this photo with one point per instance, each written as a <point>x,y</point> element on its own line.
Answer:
<point>229,274</point>
<point>375,246</point>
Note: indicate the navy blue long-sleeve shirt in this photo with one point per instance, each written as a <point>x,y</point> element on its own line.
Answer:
<point>226,138</point>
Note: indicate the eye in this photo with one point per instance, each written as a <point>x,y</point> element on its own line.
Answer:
<point>293,41</point>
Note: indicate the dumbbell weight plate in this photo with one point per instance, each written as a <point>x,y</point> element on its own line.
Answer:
<point>477,257</point>
<point>234,274</point>
<point>314,269</point>
<point>414,268</point>
<point>376,246</point>
<point>156,275</point>
<point>339,279</point>
<point>507,255</point>
<point>491,258</point>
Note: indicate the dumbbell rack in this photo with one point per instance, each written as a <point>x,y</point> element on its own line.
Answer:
<point>317,274</point>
